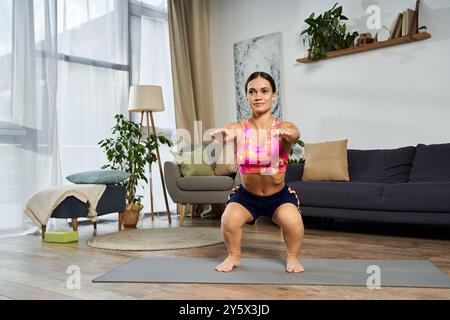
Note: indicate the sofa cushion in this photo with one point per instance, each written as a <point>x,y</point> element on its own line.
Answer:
<point>326,161</point>
<point>225,164</point>
<point>333,194</point>
<point>188,170</point>
<point>430,218</point>
<point>381,166</point>
<point>206,183</point>
<point>194,163</point>
<point>420,196</point>
<point>431,163</point>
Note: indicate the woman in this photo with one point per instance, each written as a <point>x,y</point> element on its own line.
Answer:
<point>262,163</point>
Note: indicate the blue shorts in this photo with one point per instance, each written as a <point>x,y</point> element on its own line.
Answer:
<point>263,205</point>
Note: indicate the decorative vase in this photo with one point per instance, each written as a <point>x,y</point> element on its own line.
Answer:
<point>131,215</point>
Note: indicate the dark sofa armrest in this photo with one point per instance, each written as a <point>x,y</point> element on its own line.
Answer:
<point>294,172</point>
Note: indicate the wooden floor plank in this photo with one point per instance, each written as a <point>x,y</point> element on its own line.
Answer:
<point>32,269</point>
<point>17,291</point>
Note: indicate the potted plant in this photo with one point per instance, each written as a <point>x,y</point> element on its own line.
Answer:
<point>127,151</point>
<point>343,38</point>
<point>297,153</point>
<point>296,159</point>
<point>325,33</point>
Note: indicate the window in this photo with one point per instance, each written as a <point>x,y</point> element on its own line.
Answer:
<point>88,33</point>
<point>63,114</point>
<point>93,77</point>
<point>156,3</point>
<point>6,28</point>
<point>150,64</point>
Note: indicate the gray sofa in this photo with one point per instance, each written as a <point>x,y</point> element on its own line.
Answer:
<point>197,189</point>
<point>404,185</point>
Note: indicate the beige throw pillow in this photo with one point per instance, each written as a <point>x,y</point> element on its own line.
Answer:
<point>326,161</point>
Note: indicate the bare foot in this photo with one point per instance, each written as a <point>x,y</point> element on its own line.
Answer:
<point>228,264</point>
<point>292,265</point>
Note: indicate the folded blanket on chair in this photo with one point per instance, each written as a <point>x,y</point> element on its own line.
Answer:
<point>41,205</point>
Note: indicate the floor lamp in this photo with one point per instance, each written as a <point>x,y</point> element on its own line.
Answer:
<point>147,99</point>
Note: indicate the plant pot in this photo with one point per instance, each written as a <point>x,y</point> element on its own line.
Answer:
<point>131,215</point>
<point>331,41</point>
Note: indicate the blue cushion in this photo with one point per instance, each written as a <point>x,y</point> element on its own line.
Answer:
<point>382,166</point>
<point>431,163</point>
<point>99,177</point>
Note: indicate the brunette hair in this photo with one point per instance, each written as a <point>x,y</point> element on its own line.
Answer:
<point>264,75</point>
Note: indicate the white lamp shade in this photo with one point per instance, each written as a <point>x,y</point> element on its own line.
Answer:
<point>145,98</point>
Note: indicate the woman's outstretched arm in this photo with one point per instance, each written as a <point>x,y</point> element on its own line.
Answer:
<point>288,132</point>
<point>228,133</point>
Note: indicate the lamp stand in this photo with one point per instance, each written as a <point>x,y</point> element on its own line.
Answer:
<point>152,214</point>
<point>149,116</point>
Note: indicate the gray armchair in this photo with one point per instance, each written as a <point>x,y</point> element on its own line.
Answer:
<point>197,190</point>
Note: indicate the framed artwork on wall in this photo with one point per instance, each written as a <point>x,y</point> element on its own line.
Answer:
<point>262,53</point>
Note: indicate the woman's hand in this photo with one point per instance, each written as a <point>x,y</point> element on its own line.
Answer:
<point>287,133</point>
<point>223,134</point>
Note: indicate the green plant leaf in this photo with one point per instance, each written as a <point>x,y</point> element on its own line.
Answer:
<point>310,21</point>
<point>123,152</point>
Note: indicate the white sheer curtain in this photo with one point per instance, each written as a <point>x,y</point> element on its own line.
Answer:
<point>93,78</point>
<point>6,34</point>
<point>64,74</point>
<point>151,65</point>
<point>29,149</point>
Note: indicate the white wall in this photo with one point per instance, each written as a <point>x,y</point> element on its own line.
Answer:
<point>385,98</point>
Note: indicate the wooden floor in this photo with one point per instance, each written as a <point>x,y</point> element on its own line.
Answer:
<point>32,269</point>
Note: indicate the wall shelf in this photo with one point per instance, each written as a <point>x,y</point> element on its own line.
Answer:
<point>376,45</point>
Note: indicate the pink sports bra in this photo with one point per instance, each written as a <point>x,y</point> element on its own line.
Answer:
<point>269,158</point>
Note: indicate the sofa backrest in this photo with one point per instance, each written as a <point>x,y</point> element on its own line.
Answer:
<point>382,166</point>
<point>294,172</point>
<point>431,163</point>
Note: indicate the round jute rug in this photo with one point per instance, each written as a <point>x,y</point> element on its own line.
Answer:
<point>158,239</point>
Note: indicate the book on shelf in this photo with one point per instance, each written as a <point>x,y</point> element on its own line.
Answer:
<point>414,24</point>
<point>397,29</point>
<point>415,27</point>
<point>408,22</point>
